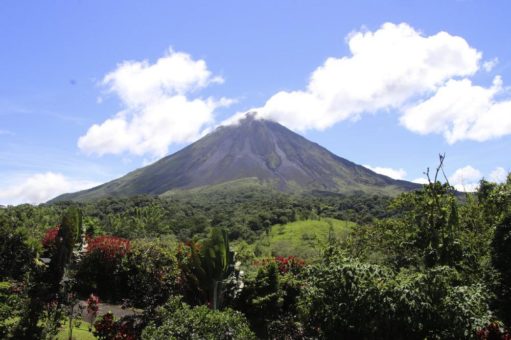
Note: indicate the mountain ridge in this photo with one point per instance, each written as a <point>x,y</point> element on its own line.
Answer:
<point>256,149</point>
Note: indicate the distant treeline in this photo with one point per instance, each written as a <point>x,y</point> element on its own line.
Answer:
<point>245,214</point>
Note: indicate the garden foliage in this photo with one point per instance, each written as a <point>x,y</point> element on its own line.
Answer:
<point>433,264</point>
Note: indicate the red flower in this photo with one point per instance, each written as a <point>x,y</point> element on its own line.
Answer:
<point>493,331</point>
<point>184,250</point>
<point>108,328</point>
<point>110,247</point>
<point>105,327</point>
<point>93,304</point>
<point>291,264</point>
<point>50,236</point>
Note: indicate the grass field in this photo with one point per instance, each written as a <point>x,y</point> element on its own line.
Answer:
<point>305,239</point>
<point>80,332</point>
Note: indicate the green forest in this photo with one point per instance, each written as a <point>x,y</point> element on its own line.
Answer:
<point>253,263</point>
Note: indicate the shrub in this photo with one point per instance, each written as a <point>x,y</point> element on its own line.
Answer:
<point>111,248</point>
<point>107,328</point>
<point>98,270</point>
<point>269,301</point>
<point>144,272</point>
<point>177,320</point>
<point>343,299</point>
<point>12,301</point>
<point>289,264</point>
<point>434,304</point>
<point>348,299</point>
<point>149,273</point>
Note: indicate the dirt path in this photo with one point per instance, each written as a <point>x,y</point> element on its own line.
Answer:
<point>104,308</point>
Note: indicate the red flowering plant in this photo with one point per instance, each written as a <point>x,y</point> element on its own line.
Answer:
<point>110,247</point>
<point>108,329</point>
<point>92,308</point>
<point>493,331</point>
<point>50,237</point>
<point>98,270</point>
<point>289,264</point>
<point>105,327</point>
<point>184,255</point>
<point>184,250</point>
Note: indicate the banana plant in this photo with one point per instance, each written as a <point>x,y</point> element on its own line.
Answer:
<point>213,263</point>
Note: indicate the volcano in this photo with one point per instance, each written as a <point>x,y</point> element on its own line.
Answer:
<point>255,151</point>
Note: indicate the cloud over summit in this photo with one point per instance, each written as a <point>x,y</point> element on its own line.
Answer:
<point>426,79</point>
<point>387,69</point>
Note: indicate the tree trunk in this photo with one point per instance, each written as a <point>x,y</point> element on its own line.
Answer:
<point>215,294</point>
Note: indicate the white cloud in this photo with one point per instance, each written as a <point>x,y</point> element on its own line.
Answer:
<point>420,180</point>
<point>498,175</point>
<point>426,79</point>
<point>39,188</point>
<point>392,173</point>
<point>139,82</point>
<point>387,69</point>
<point>466,179</point>
<point>460,111</point>
<point>490,64</point>
<point>158,110</point>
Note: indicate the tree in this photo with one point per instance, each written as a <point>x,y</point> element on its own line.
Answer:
<point>47,282</point>
<point>68,237</point>
<point>501,260</point>
<point>16,255</point>
<point>425,231</point>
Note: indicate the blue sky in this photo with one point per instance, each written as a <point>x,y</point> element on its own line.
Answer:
<point>90,90</point>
